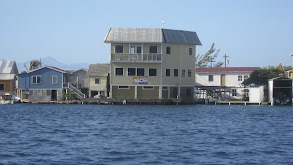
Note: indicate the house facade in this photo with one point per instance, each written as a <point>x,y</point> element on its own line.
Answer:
<point>8,72</point>
<point>45,84</point>
<point>152,63</point>
<point>80,80</point>
<point>98,75</point>
<point>223,83</point>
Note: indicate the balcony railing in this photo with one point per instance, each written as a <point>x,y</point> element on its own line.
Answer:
<point>121,57</point>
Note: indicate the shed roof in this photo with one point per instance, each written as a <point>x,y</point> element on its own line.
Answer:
<point>7,76</point>
<point>226,69</point>
<point>151,35</point>
<point>98,70</point>
<point>8,66</point>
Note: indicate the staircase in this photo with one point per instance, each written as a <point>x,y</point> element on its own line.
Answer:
<point>79,94</point>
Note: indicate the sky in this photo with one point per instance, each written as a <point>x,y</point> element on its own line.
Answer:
<point>251,32</point>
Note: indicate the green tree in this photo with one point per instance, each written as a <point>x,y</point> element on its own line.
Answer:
<point>70,95</point>
<point>203,60</point>
<point>262,75</point>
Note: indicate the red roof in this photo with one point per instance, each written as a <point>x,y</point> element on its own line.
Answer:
<point>227,69</point>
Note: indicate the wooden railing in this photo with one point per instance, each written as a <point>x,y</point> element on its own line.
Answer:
<point>122,57</point>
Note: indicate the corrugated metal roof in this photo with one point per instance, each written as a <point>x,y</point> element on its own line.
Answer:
<point>98,70</point>
<point>227,69</point>
<point>151,35</point>
<point>7,66</point>
<point>7,76</point>
<point>134,35</point>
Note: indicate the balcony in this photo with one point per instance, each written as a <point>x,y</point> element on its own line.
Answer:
<point>143,58</point>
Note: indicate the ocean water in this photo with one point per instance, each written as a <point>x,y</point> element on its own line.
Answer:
<point>146,134</point>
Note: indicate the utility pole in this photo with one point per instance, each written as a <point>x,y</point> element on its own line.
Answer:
<point>226,60</point>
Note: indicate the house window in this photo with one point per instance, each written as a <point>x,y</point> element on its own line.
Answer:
<point>36,79</point>
<point>246,92</point>
<point>168,50</point>
<point>211,77</point>
<point>131,71</point>
<point>97,81</point>
<point>240,78</point>
<point>245,77</point>
<point>167,72</point>
<point>54,79</point>
<point>152,72</point>
<point>153,49</point>
<point>183,73</point>
<point>234,92</point>
<point>188,92</point>
<point>189,72</point>
<point>190,51</point>
<point>2,87</point>
<point>148,87</point>
<point>175,72</point>
<point>119,71</point>
<point>165,88</point>
<point>123,87</point>
<point>118,48</point>
<point>140,71</point>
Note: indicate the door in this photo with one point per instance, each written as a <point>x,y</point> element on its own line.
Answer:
<point>223,80</point>
<point>54,95</point>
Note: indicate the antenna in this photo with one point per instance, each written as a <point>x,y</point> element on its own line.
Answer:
<point>291,54</point>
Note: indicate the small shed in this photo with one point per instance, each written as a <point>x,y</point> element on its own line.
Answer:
<point>280,91</point>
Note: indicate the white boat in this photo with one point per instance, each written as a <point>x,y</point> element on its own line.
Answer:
<point>6,99</point>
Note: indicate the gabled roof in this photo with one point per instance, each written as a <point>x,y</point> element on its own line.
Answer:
<point>151,35</point>
<point>98,70</point>
<point>50,67</point>
<point>226,69</point>
<point>8,67</point>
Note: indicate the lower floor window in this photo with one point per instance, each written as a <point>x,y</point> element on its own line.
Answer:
<point>234,92</point>
<point>123,87</point>
<point>148,87</point>
<point>246,91</point>
<point>1,87</point>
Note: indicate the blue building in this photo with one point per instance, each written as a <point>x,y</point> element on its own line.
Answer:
<point>46,84</point>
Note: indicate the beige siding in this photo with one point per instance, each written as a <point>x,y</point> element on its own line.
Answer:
<point>147,93</point>
<point>102,86</point>
<point>123,93</point>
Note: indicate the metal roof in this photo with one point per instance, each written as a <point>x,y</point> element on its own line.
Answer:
<point>8,66</point>
<point>151,35</point>
<point>7,76</point>
<point>227,69</point>
<point>98,70</point>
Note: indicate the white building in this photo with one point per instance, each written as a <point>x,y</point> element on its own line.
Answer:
<point>222,83</point>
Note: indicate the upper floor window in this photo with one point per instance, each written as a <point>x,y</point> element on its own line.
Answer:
<point>183,73</point>
<point>135,50</point>
<point>190,51</point>
<point>245,77</point>
<point>168,50</point>
<point>140,71</point>
<point>118,48</point>
<point>152,72</point>
<point>189,72</point>
<point>37,79</point>
<point>131,71</point>
<point>153,49</point>
<point>54,79</point>
<point>97,81</point>
<point>167,72</point>
<point>119,71</point>
<point>175,72</point>
<point>2,87</point>
<point>211,77</point>
<point>240,78</point>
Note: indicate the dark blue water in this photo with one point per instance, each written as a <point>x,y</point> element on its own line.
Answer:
<point>107,134</point>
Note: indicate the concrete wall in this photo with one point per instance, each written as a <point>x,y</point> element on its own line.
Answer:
<point>44,95</point>
<point>256,94</point>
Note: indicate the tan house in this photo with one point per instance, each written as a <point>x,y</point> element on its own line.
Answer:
<point>8,72</point>
<point>152,63</point>
<point>98,75</point>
